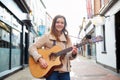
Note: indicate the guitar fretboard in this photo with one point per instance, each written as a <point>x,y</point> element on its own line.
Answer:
<point>64,51</point>
<point>93,40</point>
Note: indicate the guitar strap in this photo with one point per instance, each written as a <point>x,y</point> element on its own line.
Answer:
<point>54,42</point>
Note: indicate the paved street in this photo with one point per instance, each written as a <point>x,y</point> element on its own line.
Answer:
<point>82,69</point>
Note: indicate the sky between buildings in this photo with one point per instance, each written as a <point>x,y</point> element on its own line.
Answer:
<point>73,10</point>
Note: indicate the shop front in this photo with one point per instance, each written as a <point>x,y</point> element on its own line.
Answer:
<point>11,42</point>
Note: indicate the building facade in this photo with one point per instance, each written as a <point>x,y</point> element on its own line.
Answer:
<point>105,22</point>
<point>19,23</point>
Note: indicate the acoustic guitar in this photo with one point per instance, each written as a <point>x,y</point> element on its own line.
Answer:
<point>52,57</point>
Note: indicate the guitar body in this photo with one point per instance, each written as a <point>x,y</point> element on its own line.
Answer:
<point>53,63</point>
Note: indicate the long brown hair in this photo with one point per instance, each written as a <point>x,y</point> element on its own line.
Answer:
<point>54,31</point>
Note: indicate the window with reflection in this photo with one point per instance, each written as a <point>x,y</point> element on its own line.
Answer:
<point>4,46</point>
<point>15,50</point>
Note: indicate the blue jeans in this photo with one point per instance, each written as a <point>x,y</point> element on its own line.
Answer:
<point>59,76</point>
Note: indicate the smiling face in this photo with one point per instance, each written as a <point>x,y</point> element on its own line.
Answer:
<point>60,24</point>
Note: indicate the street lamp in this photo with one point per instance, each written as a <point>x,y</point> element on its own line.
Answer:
<point>98,20</point>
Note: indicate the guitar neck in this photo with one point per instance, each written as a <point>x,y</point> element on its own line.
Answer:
<point>87,41</point>
<point>67,50</point>
<point>64,51</point>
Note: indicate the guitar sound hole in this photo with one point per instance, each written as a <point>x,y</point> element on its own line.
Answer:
<point>52,56</point>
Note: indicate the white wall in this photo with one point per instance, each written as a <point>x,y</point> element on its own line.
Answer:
<point>14,8</point>
<point>109,58</point>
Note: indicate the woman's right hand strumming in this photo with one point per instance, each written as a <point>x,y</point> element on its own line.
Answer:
<point>42,62</point>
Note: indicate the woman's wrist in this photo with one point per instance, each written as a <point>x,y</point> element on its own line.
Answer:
<point>39,59</point>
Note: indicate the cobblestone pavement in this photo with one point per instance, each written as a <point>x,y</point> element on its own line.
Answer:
<point>82,69</point>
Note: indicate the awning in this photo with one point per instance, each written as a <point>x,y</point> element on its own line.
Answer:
<point>4,26</point>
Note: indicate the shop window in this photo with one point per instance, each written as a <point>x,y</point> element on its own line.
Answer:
<point>15,50</point>
<point>4,47</point>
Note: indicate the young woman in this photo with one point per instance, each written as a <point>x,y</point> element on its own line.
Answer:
<point>57,36</point>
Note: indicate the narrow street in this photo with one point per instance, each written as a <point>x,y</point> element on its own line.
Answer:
<point>82,69</point>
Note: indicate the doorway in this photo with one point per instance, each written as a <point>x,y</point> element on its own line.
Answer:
<point>26,47</point>
<point>117,36</point>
